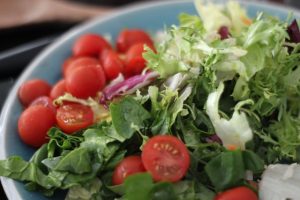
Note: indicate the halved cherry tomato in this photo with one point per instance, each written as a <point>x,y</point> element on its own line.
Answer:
<point>129,37</point>
<point>58,89</point>
<point>34,123</point>
<point>32,89</point>
<point>128,166</point>
<point>238,193</point>
<point>84,82</point>
<point>90,45</point>
<point>112,64</point>
<point>134,61</point>
<point>166,158</point>
<point>73,117</point>
<point>44,101</point>
<point>78,62</point>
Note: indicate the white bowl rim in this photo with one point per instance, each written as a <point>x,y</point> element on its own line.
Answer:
<point>8,184</point>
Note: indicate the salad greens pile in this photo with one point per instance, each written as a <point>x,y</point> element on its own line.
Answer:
<point>214,94</point>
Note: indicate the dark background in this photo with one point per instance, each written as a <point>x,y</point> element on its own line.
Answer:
<point>15,51</point>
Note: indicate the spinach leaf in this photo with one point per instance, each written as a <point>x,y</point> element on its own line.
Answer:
<point>226,170</point>
<point>16,168</point>
<point>144,183</point>
<point>127,115</point>
<point>162,191</point>
<point>253,162</point>
<point>77,161</point>
<point>59,141</point>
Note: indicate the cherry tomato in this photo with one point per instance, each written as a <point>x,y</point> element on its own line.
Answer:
<point>134,61</point>
<point>90,45</point>
<point>73,117</point>
<point>78,62</point>
<point>34,123</point>
<point>58,89</point>
<point>238,193</point>
<point>166,158</point>
<point>84,82</point>
<point>129,37</point>
<point>112,64</point>
<point>128,166</point>
<point>32,89</point>
<point>66,63</point>
<point>44,101</point>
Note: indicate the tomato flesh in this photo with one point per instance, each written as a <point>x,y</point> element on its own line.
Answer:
<point>166,158</point>
<point>34,123</point>
<point>238,193</point>
<point>32,89</point>
<point>73,117</point>
<point>128,166</point>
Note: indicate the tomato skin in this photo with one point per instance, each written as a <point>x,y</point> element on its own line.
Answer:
<point>67,63</point>
<point>73,117</point>
<point>90,45</point>
<point>238,193</point>
<point>44,101</point>
<point>58,89</point>
<point>129,37</point>
<point>79,62</point>
<point>32,89</point>
<point>84,82</point>
<point>34,123</point>
<point>166,158</point>
<point>134,61</point>
<point>112,64</point>
<point>128,166</point>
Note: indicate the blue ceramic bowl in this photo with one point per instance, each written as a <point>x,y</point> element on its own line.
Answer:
<point>150,16</point>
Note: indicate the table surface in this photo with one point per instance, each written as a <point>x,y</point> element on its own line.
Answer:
<point>7,78</point>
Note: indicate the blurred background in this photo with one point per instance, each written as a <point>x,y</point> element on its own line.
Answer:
<point>28,26</point>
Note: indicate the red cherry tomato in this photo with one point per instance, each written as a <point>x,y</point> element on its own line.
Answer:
<point>34,123</point>
<point>44,101</point>
<point>129,37</point>
<point>128,166</point>
<point>90,45</point>
<point>79,62</point>
<point>66,63</point>
<point>58,89</point>
<point>134,61</point>
<point>112,64</point>
<point>32,89</point>
<point>73,117</point>
<point>166,158</point>
<point>238,193</point>
<point>84,82</point>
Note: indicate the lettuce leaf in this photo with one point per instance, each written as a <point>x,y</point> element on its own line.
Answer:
<point>235,131</point>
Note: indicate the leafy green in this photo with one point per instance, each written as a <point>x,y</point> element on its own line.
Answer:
<point>127,115</point>
<point>89,191</point>
<point>226,170</point>
<point>235,131</point>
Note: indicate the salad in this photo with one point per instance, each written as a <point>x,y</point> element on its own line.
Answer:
<point>207,110</point>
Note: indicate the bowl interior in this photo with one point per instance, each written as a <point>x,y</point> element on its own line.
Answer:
<point>150,17</point>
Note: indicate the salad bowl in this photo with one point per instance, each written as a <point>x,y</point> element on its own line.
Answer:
<point>151,17</point>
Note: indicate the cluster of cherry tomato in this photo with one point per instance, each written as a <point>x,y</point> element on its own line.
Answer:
<point>93,64</point>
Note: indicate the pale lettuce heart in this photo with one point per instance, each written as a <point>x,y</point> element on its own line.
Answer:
<point>235,131</point>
